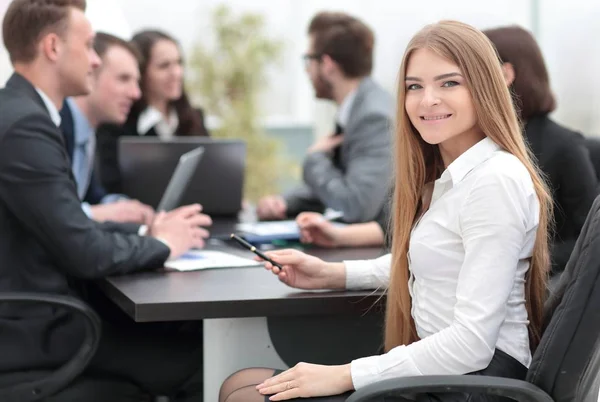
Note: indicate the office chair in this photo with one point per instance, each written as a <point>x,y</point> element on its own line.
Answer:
<point>566,364</point>
<point>66,384</point>
<point>38,388</point>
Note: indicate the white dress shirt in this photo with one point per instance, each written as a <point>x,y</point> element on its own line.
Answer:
<point>343,113</point>
<point>468,256</point>
<point>51,107</point>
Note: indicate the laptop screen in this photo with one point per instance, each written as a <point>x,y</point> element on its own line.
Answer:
<point>147,165</point>
<point>180,180</point>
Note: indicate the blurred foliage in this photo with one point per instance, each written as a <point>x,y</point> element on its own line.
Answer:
<point>228,79</point>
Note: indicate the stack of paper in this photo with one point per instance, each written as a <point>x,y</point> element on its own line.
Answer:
<point>204,259</point>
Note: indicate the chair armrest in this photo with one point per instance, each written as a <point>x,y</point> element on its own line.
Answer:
<point>61,377</point>
<point>506,387</point>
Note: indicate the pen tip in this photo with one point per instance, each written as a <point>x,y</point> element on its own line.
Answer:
<point>232,235</point>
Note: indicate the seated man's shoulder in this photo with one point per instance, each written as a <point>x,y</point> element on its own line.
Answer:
<point>375,102</point>
<point>374,115</point>
<point>17,109</point>
<point>377,94</point>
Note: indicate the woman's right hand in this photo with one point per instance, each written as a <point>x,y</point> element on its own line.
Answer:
<point>304,271</point>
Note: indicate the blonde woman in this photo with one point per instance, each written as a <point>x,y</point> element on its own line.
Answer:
<point>466,276</point>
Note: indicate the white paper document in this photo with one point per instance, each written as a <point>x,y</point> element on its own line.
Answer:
<point>286,228</point>
<point>281,228</point>
<point>204,259</point>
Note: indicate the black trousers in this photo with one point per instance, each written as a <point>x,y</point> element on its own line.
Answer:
<point>158,358</point>
<point>502,365</point>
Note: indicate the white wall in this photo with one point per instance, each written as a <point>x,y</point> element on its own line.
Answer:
<point>567,34</point>
<point>569,37</point>
<point>105,15</point>
<point>5,67</point>
<point>290,97</point>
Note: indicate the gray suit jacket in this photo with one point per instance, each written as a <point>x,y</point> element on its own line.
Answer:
<point>358,186</point>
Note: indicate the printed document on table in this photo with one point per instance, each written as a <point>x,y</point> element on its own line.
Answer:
<point>205,259</point>
<point>287,229</point>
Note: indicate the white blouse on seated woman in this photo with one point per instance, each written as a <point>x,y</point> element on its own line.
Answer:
<point>468,256</point>
<point>152,118</point>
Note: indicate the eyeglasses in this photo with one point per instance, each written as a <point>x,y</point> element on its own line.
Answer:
<point>311,56</point>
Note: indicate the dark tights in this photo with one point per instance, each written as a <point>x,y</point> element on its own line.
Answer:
<point>241,386</point>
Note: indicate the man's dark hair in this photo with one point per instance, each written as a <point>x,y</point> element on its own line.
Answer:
<point>26,21</point>
<point>347,40</point>
<point>104,41</point>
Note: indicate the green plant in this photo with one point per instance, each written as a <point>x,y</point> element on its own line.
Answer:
<point>228,79</point>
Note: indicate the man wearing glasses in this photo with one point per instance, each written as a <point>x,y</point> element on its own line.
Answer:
<point>348,171</point>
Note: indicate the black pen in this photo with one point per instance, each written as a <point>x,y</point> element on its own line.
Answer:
<point>252,248</point>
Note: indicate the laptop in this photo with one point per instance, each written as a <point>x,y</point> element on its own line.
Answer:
<point>217,183</point>
<point>187,165</point>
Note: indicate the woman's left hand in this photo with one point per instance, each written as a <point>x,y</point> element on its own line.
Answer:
<point>308,380</point>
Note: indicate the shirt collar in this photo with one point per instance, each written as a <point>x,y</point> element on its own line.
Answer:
<point>82,128</point>
<point>343,114</point>
<point>470,159</point>
<point>50,106</point>
<point>151,117</point>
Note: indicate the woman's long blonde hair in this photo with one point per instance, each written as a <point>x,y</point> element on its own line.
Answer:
<point>418,163</point>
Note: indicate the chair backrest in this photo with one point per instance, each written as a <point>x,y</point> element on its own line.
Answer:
<point>567,362</point>
<point>593,146</point>
<point>34,388</point>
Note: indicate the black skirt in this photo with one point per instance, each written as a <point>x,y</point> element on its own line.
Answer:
<point>502,365</point>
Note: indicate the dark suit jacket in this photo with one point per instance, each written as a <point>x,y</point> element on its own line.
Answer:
<point>47,244</point>
<point>107,156</point>
<point>593,146</point>
<point>95,192</point>
<point>564,159</point>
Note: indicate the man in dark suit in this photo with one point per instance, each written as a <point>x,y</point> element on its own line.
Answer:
<point>47,243</point>
<point>115,88</point>
<point>350,170</point>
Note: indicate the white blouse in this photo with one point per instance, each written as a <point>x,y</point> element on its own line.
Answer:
<point>468,256</point>
<point>152,118</point>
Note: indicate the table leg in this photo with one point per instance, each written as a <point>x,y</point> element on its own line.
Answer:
<point>231,344</point>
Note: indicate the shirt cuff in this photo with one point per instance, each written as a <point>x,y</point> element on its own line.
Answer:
<point>87,209</point>
<point>143,231</point>
<point>394,364</point>
<point>355,274</point>
<point>110,198</point>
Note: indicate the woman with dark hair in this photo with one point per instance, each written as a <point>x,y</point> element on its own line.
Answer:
<point>560,152</point>
<point>161,69</point>
<point>163,111</point>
